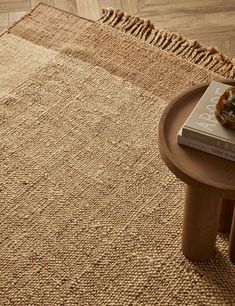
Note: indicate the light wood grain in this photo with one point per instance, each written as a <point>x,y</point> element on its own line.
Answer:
<point>35,2</point>
<point>131,6</point>
<point>128,6</point>
<point>209,21</point>
<point>89,9</point>
<point>67,5</point>
<point>4,21</point>
<point>15,16</point>
<point>115,4</point>
<point>14,5</point>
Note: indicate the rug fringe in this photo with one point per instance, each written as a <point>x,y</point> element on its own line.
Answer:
<point>210,58</point>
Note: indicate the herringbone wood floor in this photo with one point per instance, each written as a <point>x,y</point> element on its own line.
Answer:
<point>208,21</point>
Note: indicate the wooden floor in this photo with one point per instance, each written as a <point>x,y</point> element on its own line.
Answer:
<point>208,21</point>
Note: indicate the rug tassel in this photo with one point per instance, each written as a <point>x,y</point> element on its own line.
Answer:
<point>209,58</point>
<point>117,18</point>
<point>157,37</point>
<point>106,15</point>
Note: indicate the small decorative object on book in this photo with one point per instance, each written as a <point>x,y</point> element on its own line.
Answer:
<point>225,108</point>
<point>203,131</point>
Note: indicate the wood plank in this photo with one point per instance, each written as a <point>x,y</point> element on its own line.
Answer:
<point>193,21</point>
<point>131,6</point>
<point>89,9</point>
<point>35,2</point>
<point>66,5</point>
<point>14,5</point>
<point>162,2</point>
<point>227,46</point>
<point>211,22</point>
<point>4,21</point>
<point>15,16</point>
<point>114,4</point>
<point>128,6</point>
<point>186,6</point>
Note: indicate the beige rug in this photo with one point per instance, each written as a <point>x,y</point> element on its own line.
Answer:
<point>89,214</point>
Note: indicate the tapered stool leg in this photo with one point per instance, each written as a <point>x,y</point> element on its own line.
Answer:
<point>201,219</point>
<point>226,215</point>
<point>232,240</point>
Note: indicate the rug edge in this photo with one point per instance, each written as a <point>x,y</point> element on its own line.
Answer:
<point>41,4</point>
<point>210,58</point>
<point>21,18</point>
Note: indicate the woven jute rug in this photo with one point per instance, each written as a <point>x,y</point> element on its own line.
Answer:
<point>89,213</point>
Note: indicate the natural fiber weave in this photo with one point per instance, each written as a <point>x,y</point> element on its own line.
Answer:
<point>89,213</point>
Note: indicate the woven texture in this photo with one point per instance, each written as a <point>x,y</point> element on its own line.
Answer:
<point>89,213</point>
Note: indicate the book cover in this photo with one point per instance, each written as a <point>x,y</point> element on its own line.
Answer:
<point>192,143</point>
<point>202,124</point>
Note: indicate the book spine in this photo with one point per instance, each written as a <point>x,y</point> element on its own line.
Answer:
<point>220,144</point>
<point>205,147</point>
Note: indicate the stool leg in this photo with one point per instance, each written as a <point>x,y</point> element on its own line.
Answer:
<point>226,215</point>
<point>201,219</point>
<point>232,240</point>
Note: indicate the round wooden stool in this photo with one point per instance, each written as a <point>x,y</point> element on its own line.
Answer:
<point>210,181</point>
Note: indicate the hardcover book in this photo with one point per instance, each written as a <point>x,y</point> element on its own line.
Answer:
<point>202,130</point>
<point>205,147</point>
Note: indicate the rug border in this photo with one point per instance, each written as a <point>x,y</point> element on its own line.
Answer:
<point>35,8</point>
<point>210,58</point>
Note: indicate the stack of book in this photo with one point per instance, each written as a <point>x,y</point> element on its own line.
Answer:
<point>202,131</point>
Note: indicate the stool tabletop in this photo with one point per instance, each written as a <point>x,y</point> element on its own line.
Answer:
<point>194,167</point>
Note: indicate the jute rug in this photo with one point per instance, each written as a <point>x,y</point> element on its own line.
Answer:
<point>89,213</point>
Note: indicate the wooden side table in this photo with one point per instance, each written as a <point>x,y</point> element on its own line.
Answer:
<point>210,182</point>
